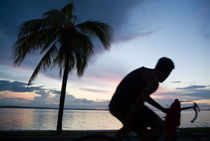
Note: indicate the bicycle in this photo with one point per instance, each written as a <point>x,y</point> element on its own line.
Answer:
<point>173,133</point>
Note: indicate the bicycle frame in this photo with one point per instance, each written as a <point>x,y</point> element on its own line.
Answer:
<point>195,107</point>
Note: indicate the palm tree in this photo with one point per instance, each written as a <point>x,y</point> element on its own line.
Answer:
<point>64,44</point>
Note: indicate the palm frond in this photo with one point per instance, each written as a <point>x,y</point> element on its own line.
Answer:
<point>55,19</point>
<point>45,62</point>
<point>52,19</point>
<point>83,48</point>
<point>101,30</point>
<point>68,11</point>
<point>31,26</point>
<point>36,40</point>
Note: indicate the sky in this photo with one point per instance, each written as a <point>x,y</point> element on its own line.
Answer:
<point>144,31</point>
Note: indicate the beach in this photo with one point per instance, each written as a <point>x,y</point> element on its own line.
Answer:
<point>202,133</point>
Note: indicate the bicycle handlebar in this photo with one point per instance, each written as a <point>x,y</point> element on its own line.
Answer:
<point>194,107</point>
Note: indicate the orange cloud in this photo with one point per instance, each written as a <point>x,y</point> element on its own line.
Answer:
<point>203,101</point>
<point>24,95</point>
<point>102,81</point>
<point>156,96</point>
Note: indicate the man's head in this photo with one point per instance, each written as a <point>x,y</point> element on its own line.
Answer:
<point>163,68</point>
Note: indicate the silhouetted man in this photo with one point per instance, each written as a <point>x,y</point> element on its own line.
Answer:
<point>127,103</point>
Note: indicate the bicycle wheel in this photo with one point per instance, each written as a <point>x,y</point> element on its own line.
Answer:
<point>96,137</point>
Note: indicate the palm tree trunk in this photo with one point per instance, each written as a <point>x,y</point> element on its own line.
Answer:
<point>62,96</point>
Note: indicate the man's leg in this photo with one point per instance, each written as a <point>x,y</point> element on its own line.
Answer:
<point>120,114</point>
<point>148,125</point>
<point>155,131</point>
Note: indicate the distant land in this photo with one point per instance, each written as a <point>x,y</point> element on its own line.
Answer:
<point>51,108</point>
<point>67,108</point>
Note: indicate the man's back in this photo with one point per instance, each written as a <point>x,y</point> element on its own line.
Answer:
<point>129,88</point>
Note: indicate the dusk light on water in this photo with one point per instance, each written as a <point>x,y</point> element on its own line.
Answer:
<point>143,32</point>
<point>45,119</point>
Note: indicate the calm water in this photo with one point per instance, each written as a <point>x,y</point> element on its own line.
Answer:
<point>45,119</point>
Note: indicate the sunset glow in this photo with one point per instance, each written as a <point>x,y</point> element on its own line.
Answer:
<point>24,95</point>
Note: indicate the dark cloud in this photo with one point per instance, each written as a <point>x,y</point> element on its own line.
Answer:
<point>190,95</point>
<point>199,94</point>
<point>175,81</point>
<point>16,86</point>
<point>192,87</point>
<point>94,90</point>
<point>192,92</point>
<point>168,97</point>
<point>113,12</point>
<point>133,35</point>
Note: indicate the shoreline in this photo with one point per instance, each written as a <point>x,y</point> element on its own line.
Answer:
<point>40,132</point>
<point>52,108</point>
<point>72,135</point>
<point>20,107</point>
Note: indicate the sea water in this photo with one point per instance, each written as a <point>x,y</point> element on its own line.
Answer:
<point>46,119</point>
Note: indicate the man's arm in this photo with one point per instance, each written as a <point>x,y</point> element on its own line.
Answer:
<point>155,104</point>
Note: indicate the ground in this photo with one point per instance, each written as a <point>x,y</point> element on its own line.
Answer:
<point>202,133</point>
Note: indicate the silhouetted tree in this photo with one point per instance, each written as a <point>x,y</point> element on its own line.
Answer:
<point>63,43</point>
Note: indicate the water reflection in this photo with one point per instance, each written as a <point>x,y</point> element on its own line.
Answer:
<point>203,119</point>
<point>89,120</point>
<point>16,119</point>
<point>46,119</point>
<point>27,119</point>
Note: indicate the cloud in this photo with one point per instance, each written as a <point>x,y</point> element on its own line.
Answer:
<point>14,93</point>
<point>95,90</point>
<point>175,81</point>
<point>203,101</point>
<point>97,10</point>
<point>196,91</point>
<point>193,87</point>
<point>16,86</point>
<point>193,92</point>
<point>132,35</point>
<point>200,94</point>
<point>14,102</point>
